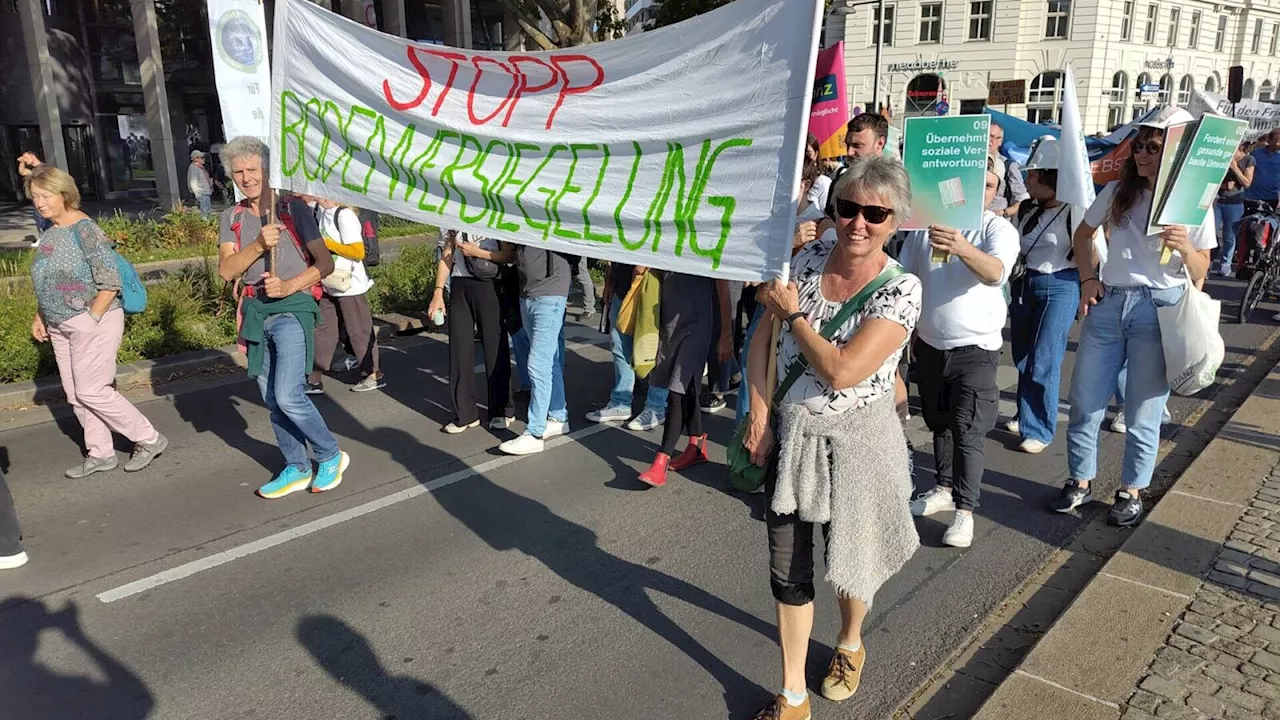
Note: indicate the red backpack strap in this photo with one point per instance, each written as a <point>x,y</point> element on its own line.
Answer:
<point>236,216</point>
<point>286,218</point>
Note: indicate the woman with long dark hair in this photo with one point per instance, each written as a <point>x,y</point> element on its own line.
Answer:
<point>1141,272</point>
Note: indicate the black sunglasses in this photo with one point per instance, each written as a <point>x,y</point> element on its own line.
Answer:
<point>1151,148</point>
<point>873,214</point>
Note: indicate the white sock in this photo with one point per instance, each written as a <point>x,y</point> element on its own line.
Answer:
<point>851,648</point>
<point>794,699</point>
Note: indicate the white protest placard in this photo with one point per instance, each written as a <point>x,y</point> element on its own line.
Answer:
<point>1263,117</point>
<point>677,149</point>
<point>241,71</point>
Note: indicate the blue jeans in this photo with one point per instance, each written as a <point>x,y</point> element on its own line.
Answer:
<point>1121,381</point>
<point>544,325</point>
<point>624,377</point>
<point>1120,329</point>
<point>1044,306</point>
<point>206,205</point>
<point>520,348</point>
<point>293,416</point>
<point>1228,216</point>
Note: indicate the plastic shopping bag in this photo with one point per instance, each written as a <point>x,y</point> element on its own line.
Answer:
<point>1193,347</point>
<point>644,346</point>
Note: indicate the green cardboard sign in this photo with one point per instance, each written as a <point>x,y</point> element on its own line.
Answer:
<point>946,161</point>
<point>1201,170</point>
<point>1176,140</point>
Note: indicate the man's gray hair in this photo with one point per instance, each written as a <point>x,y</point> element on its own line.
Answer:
<point>243,146</point>
<point>881,176</point>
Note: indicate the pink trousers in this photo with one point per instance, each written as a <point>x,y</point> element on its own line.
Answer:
<point>86,355</point>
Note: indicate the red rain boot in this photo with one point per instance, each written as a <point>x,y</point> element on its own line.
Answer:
<point>656,475</point>
<point>695,454</point>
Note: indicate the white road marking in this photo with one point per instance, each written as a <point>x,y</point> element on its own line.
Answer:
<point>186,570</point>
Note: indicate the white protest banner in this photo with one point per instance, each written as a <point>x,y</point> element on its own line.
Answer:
<point>678,148</point>
<point>241,71</point>
<point>1263,117</point>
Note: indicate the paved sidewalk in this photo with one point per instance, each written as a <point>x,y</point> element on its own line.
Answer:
<point>1184,621</point>
<point>1222,659</point>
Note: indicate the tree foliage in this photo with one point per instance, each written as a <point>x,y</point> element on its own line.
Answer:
<point>671,12</point>
<point>571,22</point>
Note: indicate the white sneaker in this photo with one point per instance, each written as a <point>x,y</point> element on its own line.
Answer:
<point>555,428</point>
<point>1032,446</point>
<point>500,423</point>
<point>935,501</point>
<point>526,444</point>
<point>11,562</point>
<point>610,413</point>
<point>646,420</point>
<point>1117,425</point>
<point>454,428</point>
<point>1013,426</point>
<point>960,534</point>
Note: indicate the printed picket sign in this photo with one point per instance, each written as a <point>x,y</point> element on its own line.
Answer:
<point>829,111</point>
<point>238,34</point>
<point>946,160</point>
<point>1201,170</point>
<point>678,149</point>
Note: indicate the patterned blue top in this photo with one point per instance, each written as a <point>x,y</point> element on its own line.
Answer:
<point>66,277</point>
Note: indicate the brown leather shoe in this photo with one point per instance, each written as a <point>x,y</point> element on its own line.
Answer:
<point>844,674</point>
<point>780,710</point>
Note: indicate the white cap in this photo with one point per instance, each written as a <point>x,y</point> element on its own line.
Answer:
<point>1167,117</point>
<point>1044,154</point>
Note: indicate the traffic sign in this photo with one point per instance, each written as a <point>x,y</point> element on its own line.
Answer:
<point>1148,88</point>
<point>943,108</point>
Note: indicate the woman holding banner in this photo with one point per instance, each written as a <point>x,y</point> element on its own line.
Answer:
<point>840,452</point>
<point>276,249</point>
<point>1118,301</point>
<point>1045,298</point>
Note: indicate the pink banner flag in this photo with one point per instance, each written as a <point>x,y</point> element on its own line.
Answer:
<point>829,110</point>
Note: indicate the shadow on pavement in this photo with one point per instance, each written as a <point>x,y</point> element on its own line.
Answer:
<point>33,691</point>
<point>349,658</point>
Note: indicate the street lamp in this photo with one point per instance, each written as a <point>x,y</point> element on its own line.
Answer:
<point>848,8</point>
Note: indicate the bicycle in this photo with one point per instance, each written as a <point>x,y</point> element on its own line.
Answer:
<point>1256,256</point>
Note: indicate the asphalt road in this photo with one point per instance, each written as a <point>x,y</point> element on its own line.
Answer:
<point>443,581</point>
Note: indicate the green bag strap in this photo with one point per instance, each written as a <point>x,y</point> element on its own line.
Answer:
<point>830,327</point>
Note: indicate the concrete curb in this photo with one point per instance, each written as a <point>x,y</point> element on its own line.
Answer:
<point>1089,661</point>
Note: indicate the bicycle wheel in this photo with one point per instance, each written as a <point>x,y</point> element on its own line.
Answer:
<point>1258,283</point>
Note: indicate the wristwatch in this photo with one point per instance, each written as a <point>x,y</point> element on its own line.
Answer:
<point>786,324</point>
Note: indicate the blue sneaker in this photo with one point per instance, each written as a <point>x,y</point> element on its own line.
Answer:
<point>329,474</point>
<point>290,480</point>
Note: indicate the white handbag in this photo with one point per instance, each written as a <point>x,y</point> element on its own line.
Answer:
<point>1193,347</point>
<point>337,281</point>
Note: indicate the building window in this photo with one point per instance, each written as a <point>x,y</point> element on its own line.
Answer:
<point>931,22</point>
<point>1265,91</point>
<point>1165,96</point>
<point>1119,87</point>
<point>1211,84</point>
<point>1195,30</point>
<point>1153,15</point>
<point>1257,36</point>
<point>1143,79</point>
<point>923,94</point>
<point>1175,17</point>
<point>1275,35</point>
<point>1185,86</point>
<point>1042,97</point>
<point>886,36</point>
<point>980,20</point>
<point>1221,40</point>
<point>1056,27</point>
<point>1115,117</point>
<point>1246,92</point>
<point>1126,22</point>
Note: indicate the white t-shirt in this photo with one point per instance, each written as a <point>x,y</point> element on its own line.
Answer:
<point>959,309</point>
<point>818,193</point>
<point>1133,256</point>
<point>341,225</point>
<point>1048,242</point>
<point>898,300</point>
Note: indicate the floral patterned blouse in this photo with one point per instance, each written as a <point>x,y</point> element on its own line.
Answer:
<point>67,274</point>
<point>898,301</point>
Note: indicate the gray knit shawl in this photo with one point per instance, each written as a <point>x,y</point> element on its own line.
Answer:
<point>850,470</point>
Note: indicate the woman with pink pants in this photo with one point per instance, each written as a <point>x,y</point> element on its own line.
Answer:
<point>77,282</point>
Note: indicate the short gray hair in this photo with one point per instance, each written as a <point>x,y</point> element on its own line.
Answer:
<point>881,176</point>
<point>243,146</point>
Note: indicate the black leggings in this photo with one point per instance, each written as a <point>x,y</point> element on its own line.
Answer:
<point>683,416</point>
